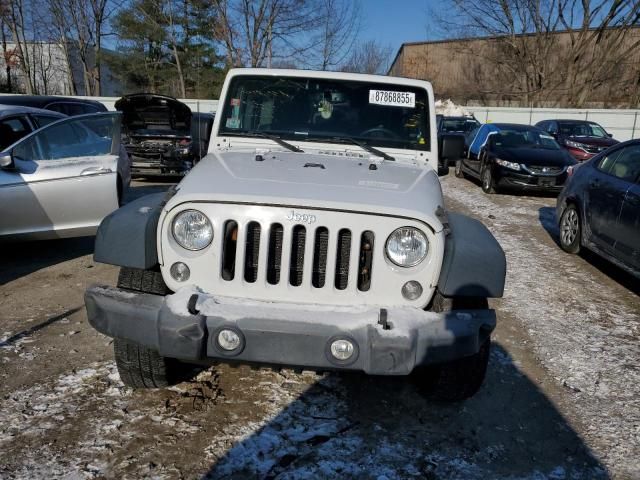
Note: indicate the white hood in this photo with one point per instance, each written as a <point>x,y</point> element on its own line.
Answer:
<point>315,180</point>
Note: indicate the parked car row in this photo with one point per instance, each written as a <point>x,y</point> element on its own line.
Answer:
<point>68,162</point>
<point>597,179</point>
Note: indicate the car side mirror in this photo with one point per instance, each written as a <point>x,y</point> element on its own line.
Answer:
<point>610,135</point>
<point>451,148</point>
<point>6,161</point>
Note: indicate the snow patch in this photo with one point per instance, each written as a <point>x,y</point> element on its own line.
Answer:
<point>450,109</point>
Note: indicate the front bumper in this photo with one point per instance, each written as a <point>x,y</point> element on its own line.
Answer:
<point>511,179</point>
<point>289,335</point>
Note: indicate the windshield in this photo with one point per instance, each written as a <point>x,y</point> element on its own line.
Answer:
<point>459,125</point>
<point>523,139</point>
<point>326,110</point>
<point>582,129</point>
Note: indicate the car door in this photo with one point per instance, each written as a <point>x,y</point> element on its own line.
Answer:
<point>627,230</point>
<point>63,182</point>
<point>606,190</point>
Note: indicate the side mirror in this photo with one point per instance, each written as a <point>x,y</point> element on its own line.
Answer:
<point>6,161</point>
<point>610,135</point>
<point>450,147</point>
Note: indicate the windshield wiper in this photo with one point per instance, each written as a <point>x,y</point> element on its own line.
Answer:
<point>276,139</point>
<point>365,146</point>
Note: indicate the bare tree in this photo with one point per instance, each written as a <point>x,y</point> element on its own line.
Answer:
<point>18,15</point>
<point>338,32</point>
<point>82,22</point>
<point>368,57</point>
<point>544,51</point>
<point>256,32</point>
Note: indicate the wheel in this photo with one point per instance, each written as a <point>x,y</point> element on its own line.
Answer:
<point>458,170</point>
<point>570,230</point>
<point>488,184</point>
<point>140,366</point>
<point>462,378</point>
<point>146,281</point>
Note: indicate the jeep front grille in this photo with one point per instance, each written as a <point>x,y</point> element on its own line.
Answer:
<point>293,256</point>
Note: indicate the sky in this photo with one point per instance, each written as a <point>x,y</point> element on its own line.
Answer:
<point>394,22</point>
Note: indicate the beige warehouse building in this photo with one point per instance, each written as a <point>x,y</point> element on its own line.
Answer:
<point>530,70</point>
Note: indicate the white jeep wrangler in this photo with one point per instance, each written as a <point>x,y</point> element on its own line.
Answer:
<point>312,236</point>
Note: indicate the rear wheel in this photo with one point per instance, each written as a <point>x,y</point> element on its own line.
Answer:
<point>140,366</point>
<point>462,378</point>
<point>570,230</point>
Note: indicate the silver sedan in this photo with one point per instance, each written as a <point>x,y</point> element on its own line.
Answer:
<point>63,179</point>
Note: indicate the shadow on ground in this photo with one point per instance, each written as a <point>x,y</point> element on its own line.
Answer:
<point>547,218</point>
<point>354,426</point>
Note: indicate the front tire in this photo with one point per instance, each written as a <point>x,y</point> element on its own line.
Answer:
<point>462,378</point>
<point>488,183</point>
<point>140,366</point>
<point>570,230</point>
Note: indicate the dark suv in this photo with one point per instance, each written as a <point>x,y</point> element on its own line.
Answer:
<point>67,105</point>
<point>581,138</point>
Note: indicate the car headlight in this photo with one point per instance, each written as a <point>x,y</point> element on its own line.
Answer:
<point>510,165</point>
<point>407,246</point>
<point>571,143</point>
<point>192,230</point>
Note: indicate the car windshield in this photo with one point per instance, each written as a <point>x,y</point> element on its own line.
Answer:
<point>326,110</point>
<point>458,125</point>
<point>523,139</point>
<point>582,129</point>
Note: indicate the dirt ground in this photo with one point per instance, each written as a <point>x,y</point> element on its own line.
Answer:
<point>561,400</point>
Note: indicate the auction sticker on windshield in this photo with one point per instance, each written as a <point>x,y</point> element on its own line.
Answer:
<point>392,99</point>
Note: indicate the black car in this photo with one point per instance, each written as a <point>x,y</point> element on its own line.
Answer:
<point>518,157</point>
<point>67,105</point>
<point>599,207</point>
<point>161,134</point>
<point>582,139</point>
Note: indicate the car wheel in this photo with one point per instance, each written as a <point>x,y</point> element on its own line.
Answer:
<point>488,184</point>
<point>458,170</point>
<point>462,378</point>
<point>140,366</point>
<point>570,230</point>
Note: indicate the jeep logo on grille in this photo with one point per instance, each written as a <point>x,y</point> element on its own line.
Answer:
<point>301,217</point>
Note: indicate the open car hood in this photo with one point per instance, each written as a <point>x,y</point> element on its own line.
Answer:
<point>150,113</point>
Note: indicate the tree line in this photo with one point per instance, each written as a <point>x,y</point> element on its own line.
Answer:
<point>177,47</point>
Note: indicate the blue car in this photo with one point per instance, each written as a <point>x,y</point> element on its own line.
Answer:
<point>599,207</point>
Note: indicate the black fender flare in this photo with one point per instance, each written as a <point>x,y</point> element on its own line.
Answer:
<point>127,237</point>
<point>474,264</point>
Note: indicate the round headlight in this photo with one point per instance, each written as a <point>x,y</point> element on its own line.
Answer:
<point>192,230</point>
<point>407,246</point>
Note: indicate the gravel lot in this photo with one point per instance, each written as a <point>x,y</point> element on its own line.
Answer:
<point>562,397</point>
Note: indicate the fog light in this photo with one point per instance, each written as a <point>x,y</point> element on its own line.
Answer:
<point>180,272</point>
<point>342,349</point>
<point>228,340</point>
<point>411,290</point>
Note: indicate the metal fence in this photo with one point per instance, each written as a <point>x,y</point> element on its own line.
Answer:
<point>622,124</point>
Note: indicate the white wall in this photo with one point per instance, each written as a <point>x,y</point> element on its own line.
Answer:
<point>622,124</point>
